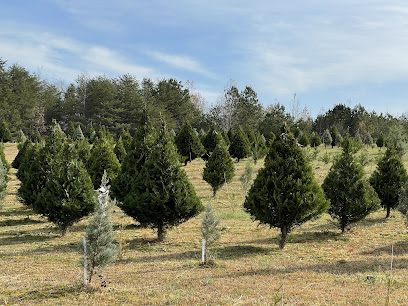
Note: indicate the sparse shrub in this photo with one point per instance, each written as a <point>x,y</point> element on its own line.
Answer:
<point>326,158</point>
<point>246,176</point>
<point>210,229</point>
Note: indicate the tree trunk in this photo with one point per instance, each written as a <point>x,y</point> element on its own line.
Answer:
<point>161,233</point>
<point>284,234</point>
<point>388,212</point>
<point>214,192</point>
<point>63,231</point>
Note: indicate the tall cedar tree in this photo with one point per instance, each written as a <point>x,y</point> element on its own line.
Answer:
<point>240,146</point>
<point>210,140</point>
<point>67,195</point>
<point>188,143</point>
<point>258,148</point>
<point>334,132</point>
<point>315,140</point>
<point>3,180</point>
<point>126,139</point>
<point>226,138</point>
<point>102,159</point>
<point>388,179</point>
<point>285,193</point>
<point>99,236</point>
<point>5,135</point>
<point>78,135</point>
<point>219,169</point>
<point>161,195</point>
<point>303,139</point>
<point>82,150</point>
<point>380,141</point>
<point>22,148</point>
<point>327,138</point>
<point>48,159</point>
<point>141,148</point>
<point>351,196</point>
<point>3,157</point>
<point>120,150</point>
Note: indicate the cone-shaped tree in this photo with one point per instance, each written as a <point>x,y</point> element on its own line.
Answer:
<point>3,180</point>
<point>90,132</point>
<point>219,169</point>
<point>22,148</point>
<point>334,132</point>
<point>188,143</point>
<point>209,229</point>
<point>67,195</point>
<point>101,249</point>
<point>338,139</point>
<point>303,139</point>
<point>27,160</point>
<point>21,138</point>
<point>315,140</point>
<point>5,135</point>
<point>327,138</point>
<point>388,179</point>
<point>3,157</point>
<point>285,193</point>
<point>161,195</point>
<point>226,138</point>
<point>350,194</point>
<point>141,148</point>
<point>380,141</point>
<point>126,139</point>
<point>120,150</point>
<point>211,139</point>
<point>102,159</point>
<point>240,146</point>
<point>78,135</point>
<point>82,150</point>
<point>71,130</point>
<point>259,148</point>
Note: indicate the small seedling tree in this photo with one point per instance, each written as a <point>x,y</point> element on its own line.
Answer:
<point>285,193</point>
<point>219,169</point>
<point>209,230</point>
<point>388,179</point>
<point>101,249</point>
<point>351,196</point>
<point>246,177</point>
<point>161,195</point>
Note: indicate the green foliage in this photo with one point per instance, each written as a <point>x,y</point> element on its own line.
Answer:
<point>246,176</point>
<point>161,195</point>
<point>3,157</point>
<point>303,139</point>
<point>126,139</point>
<point>20,155</point>
<point>67,195</point>
<point>219,169</point>
<point>120,150</point>
<point>188,143</point>
<point>388,179</point>
<point>210,228</point>
<point>211,139</point>
<point>142,144</point>
<point>20,137</point>
<point>338,139</point>
<point>77,134</point>
<point>403,201</point>
<point>5,135</point>
<point>102,159</point>
<point>327,138</point>
<point>3,180</point>
<point>285,193</point>
<point>101,249</point>
<point>82,150</point>
<point>334,132</point>
<point>351,196</point>
<point>380,142</point>
<point>90,132</point>
<point>240,146</point>
<point>225,137</point>
<point>315,140</point>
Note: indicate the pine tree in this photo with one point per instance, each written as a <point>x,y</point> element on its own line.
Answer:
<point>5,135</point>
<point>352,198</point>
<point>338,139</point>
<point>21,138</point>
<point>219,169</point>
<point>67,195</point>
<point>82,150</point>
<point>240,146</point>
<point>211,139</point>
<point>161,195</point>
<point>3,180</point>
<point>71,130</point>
<point>141,148</point>
<point>101,249</point>
<point>102,159</point>
<point>285,193</point>
<point>403,201</point>
<point>90,133</point>
<point>327,138</point>
<point>303,139</point>
<point>77,134</point>
<point>315,140</point>
<point>22,148</point>
<point>188,143</point>
<point>3,157</point>
<point>225,137</point>
<point>259,148</point>
<point>246,177</point>
<point>388,179</point>
<point>120,150</point>
<point>334,132</point>
<point>210,229</point>
<point>380,141</point>
<point>126,139</point>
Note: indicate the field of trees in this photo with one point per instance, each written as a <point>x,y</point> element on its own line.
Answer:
<point>319,265</point>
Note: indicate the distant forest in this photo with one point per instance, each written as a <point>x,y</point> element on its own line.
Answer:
<point>29,103</point>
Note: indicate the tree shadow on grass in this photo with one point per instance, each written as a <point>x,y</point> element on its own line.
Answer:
<point>312,236</point>
<point>400,248</point>
<point>16,222</point>
<point>24,238</point>
<point>18,212</point>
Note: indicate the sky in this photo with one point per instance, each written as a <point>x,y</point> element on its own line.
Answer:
<point>325,52</point>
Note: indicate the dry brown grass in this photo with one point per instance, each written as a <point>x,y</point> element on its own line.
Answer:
<point>318,266</point>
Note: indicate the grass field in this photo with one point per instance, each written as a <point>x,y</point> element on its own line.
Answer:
<point>319,265</point>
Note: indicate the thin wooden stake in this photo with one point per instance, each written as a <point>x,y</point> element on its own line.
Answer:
<point>85,274</point>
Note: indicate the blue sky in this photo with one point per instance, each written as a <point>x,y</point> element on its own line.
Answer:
<point>327,52</point>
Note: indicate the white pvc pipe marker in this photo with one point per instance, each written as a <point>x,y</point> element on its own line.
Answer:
<point>85,276</point>
<point>203,251</point>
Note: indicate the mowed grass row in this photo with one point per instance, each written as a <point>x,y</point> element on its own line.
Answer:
<point>319,265</point>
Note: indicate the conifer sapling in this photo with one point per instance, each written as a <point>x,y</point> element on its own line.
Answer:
<point>209,229</point>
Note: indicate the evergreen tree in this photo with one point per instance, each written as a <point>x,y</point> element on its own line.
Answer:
<point>126,139</point>
<point>22,148</point>
<point>188,143</point>
<point>5,135</point>
<point>161,195</point>
<point>303,139</point>
<point>327,138</point>
<point>351,196</point>
<point>388,179</point>
<point>120,150</point>
<point>37,138</point>
<point>225,137</point>
<point>368,140</point>
<point>3,180</point>
<point>101,249</point>
<point>71,130</point>
<point>210,229</point>
<point>338,139</point>
<point>315,140</point>
<point>78,135</point>
<point>67,195</point>
<point>211,139</point>
<point>90,132</point>
<point>219,169</point>
<point>82,150</point>
<point>246,177</point>
<point>21,138</point>
<point>3,157</point>
<point>259,148</point>
<point>285,193</point>
<point>240,146</point>
<point>102,159</point>
<point>334,132</point>
<point>380,141</point>
<point>403,201</point>
<point>141,147</point>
